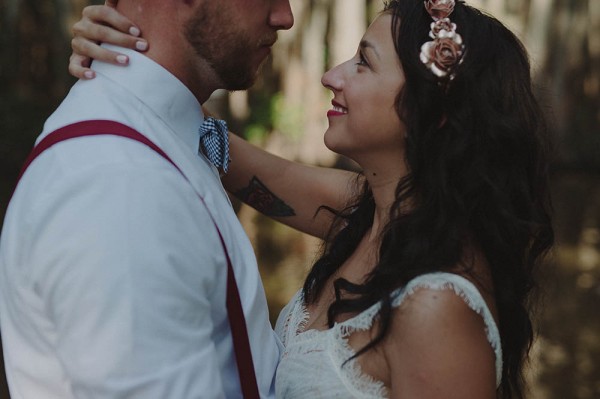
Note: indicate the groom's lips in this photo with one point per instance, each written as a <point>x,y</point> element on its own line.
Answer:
<point>268,41</point>
<point>264,46</point>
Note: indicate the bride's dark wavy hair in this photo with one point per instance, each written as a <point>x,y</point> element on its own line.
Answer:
<point>477,155</point>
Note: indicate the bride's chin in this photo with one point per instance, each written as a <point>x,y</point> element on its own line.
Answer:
<point>336,146</point>
<point>330,142</point>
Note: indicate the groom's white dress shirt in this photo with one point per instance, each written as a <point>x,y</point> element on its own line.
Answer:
<point>112,275</point>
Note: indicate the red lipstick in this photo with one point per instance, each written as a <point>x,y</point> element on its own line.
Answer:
<point>338,110</point>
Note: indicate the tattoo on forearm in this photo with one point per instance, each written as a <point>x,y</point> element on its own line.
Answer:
<point>258,196</point>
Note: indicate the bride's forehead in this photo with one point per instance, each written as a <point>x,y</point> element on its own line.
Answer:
<point>379,34</point>
<point>381,26</point>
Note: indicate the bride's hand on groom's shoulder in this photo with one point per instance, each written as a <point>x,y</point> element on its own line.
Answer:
<point>102,24</point>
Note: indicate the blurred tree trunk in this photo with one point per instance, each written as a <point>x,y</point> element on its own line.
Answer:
<point>303,99</point>
<point>349,22</point>
<point>563,39</point>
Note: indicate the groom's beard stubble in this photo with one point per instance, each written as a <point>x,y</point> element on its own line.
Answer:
<point>234,54</point>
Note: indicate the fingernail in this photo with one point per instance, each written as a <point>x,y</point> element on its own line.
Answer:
<point>122,59</point>
<point>134,31</point>
<point>142,46</point>
<point>89,74</point>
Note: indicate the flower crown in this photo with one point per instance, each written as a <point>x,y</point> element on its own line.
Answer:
<point>444,53</point>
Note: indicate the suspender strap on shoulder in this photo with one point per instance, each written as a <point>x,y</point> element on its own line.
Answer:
<point>237,321</point>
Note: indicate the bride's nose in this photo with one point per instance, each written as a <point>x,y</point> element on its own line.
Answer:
<point>333,79</point>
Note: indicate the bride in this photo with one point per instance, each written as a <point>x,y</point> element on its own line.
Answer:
<point>423,288</point>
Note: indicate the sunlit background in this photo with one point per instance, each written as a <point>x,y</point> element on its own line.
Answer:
<point>285,113</point>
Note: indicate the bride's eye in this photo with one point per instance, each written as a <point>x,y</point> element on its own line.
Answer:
<point>362,61</point>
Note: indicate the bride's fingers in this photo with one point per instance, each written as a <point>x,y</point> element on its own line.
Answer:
<point>79,67</point>
<point>107,15</point>
<point>90,30</point>
<point>111,3</point>
<point>89,49</point>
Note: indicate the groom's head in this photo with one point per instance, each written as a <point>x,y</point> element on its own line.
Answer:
<point>210,44</point>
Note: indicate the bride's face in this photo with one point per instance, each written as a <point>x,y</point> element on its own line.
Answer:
<point>363,121</point>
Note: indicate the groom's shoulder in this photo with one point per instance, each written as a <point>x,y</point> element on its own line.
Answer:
<point>97,99</point>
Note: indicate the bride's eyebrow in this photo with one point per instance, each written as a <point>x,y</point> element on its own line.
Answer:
<point>365,44</point>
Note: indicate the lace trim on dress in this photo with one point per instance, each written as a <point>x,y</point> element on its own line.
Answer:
<point>302,316</point>
<point>351,374</point>
<point>298,341</point>
<point>360,384</point>
<point>294,321</point>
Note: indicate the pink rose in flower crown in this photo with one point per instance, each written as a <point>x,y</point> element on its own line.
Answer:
<point>442,54</point>
<point>439,9</point>
<point>442,25</point>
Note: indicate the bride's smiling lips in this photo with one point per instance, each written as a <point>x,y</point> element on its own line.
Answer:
<point>338,110</point>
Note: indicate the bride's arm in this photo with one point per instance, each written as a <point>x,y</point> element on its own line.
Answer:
<point>288,191</point>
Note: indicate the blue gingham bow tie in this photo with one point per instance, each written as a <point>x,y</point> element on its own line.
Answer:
<point>214,142</point>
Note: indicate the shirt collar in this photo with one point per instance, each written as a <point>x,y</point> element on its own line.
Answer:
<point>160,90</point>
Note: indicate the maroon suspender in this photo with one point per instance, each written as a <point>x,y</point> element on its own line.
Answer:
<point>237,322</point>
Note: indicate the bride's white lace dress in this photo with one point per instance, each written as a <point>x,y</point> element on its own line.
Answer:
<point>311,364</point>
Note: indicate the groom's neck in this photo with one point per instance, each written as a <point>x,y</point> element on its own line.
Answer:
<point>163,24</point>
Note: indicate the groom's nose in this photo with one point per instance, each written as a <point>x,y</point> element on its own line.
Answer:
<point>281,16</point>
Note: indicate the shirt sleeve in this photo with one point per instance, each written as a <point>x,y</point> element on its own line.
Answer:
<point>127,260</point>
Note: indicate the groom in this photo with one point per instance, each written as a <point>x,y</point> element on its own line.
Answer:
<point>113,277</point>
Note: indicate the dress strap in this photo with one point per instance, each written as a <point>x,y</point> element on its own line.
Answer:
<point>462,287</point>
<point>467,291</point>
